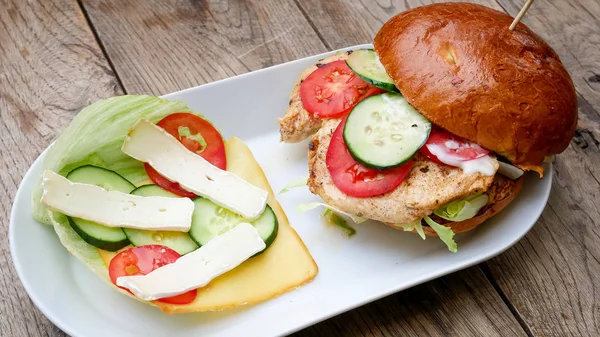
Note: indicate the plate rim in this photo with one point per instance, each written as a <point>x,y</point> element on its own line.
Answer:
<point>62,325</point>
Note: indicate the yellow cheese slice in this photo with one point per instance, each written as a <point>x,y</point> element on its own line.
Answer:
<point>286,265</point>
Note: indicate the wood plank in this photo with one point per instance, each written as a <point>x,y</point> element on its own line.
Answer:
<point>575,37</point>
<point>145,43</point>
<point>343,23</point>
<point>160,47</point>
<point>463,304</point>
<point>552,276</point>
<point>50,67</point>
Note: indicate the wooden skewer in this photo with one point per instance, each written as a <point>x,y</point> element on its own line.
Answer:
<point>521,14</point>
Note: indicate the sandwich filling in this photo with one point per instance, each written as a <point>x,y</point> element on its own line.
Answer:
<point>428,185</point>
<point>374,156</point>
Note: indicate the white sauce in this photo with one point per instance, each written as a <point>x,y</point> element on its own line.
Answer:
<point>452,144</point>
<point>484,165</point>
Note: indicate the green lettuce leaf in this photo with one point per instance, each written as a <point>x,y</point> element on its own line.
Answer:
<point>409,227</point>
<point>460,210</point>
<point>95,136</point>
<point>334,218</point>
<point>294,184</point>
<point>93,159</point>
<point>83,251</point>
<point>312,205</point>
<point>184,131</point>
<point>445,234</point>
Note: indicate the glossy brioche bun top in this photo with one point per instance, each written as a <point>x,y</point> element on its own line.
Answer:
<point>463,69</point>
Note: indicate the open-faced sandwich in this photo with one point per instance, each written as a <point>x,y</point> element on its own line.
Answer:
<point>150,197</point>
<point>432,129</point>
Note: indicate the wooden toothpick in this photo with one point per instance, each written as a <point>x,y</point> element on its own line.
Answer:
<point>520,15</point>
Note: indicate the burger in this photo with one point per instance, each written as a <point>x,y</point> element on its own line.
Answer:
<point>432,129</point>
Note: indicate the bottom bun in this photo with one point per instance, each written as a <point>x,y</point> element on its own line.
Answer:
<point>501,193</point>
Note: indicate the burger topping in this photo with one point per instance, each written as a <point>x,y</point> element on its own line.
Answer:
<point>365,63</point>
<point>335,219</point>
<point>509,171</point>
<point>415,226</point>
<point>444,233</point>
<point>333,90</point>
<point>444,147</point>
<point>463,209</point>
<point>355,179</point>
<point>384,131</point>
<point>357,219</point>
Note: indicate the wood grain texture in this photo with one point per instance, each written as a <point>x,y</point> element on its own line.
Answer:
<point>239,36</point>
<point>343,23</point>
<point>281,34</point>
<point>50,67</point>
<point>552,276</point>
<point>461,304</point>
<point>339,25</point>
<point>159,47</point>
<point>575,37</point>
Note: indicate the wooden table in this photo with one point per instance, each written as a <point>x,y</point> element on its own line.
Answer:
<point>57,56</point>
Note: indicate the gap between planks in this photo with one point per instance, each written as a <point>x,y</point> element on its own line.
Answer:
<point>490,278</point>
<point>482,266</point>
<point>312,25</point>
<point>488,274</point>
<point>101,45</point>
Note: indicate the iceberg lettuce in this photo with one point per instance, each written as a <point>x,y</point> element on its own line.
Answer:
<point>294,184</point>
<point>95,137</point>
<point>460,210</point>
<point>307,207</point>
<point>408,227</point>
<point>444,233</point>
<point>337,220</point>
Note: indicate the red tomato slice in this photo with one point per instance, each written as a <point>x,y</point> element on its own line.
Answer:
<point>142,260</point>
<point>452,148</point>
<point>355,179</point>
<point>333,90</point>
<point>196,130</point>
<point>165,183</point>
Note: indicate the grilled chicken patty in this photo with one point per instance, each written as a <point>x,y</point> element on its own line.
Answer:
<point>298,124</point>
<point>428,186</point>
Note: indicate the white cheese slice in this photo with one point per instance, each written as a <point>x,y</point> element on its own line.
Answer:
<point>151,144</point>
<point>509,170</point>
<point>198,268</point>
<point>113,208</point>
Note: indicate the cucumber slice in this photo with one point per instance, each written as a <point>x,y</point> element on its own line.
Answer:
<point>152,190</point>
<point>384,131</point>
<point>107,179</point>
<point>107,238</point>
<point>210,220</point>
<point>178,241</point>
<point>103,237</point>
<point>365,64</point>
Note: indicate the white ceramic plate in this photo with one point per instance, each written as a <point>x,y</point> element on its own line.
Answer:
<point>376,262</point>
